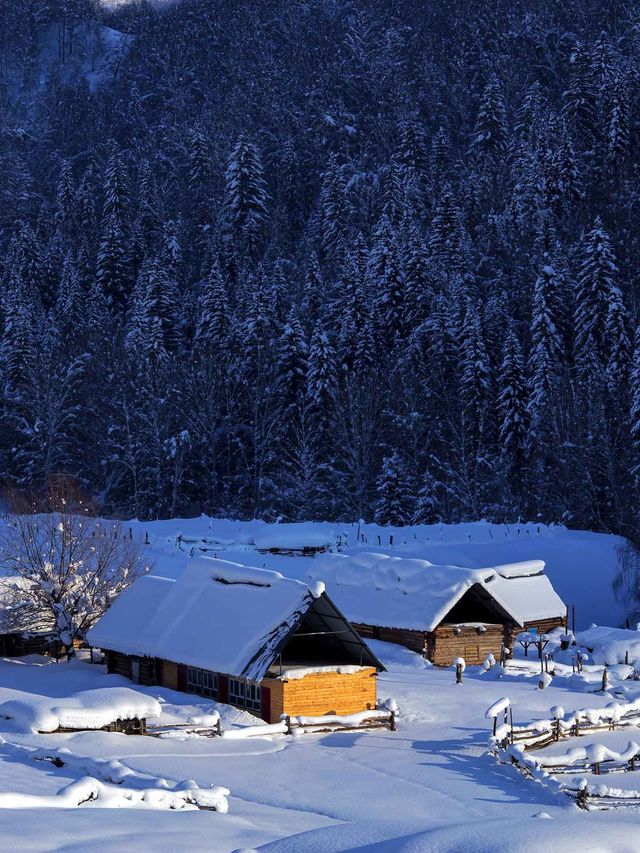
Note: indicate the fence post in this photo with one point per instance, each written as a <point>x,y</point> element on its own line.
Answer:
<point>605,678</point>
<point>218,728</point>
<point>392,722</point>
<point>458,673</point>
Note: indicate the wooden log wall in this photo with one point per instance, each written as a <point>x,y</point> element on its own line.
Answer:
<point>321,693</point>
<point>414,640</point>
<point>450,642</point>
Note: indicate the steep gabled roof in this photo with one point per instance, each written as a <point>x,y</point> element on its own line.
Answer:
<point>396,592</point>
<point>216,615</point>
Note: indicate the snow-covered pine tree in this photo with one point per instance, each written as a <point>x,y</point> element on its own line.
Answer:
<point>475,376</point>
<point>112,265</point>
<point>332,209</point>
<point>579,98</point>
<point>395,501</point>
<point>489,138</point>
<point>65,197</point>
<point>291,366</point>
<point>546,348</point>
<point>634,407</point>
<point>617,131</point>
<point>513,427</point>
<point>246,197</point>
<point>427,509</point>
<point>322,378</point>
<point>595,284</point>
<point>18,349</point>
<point>214,320</point>
<point>617,346</point>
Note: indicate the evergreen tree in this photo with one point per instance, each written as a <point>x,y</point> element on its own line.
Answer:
<point>245,200</point>
<point>395,501</point>
<point>214,320</point>
<point>332,208</point>
<point>512,408</point>
<point>489,140</point>
<point>595,289</point>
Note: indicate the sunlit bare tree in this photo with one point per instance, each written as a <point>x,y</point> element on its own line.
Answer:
<point>66,565</point>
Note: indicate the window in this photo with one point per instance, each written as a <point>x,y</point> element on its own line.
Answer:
<point>236,692</point>
<point>202,682</point>
<point>245,694</point>
<point>253,696</point>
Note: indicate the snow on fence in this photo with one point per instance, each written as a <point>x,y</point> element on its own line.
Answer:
<point>540,733</point>
<point>297,725</point>
<point>512,745</point>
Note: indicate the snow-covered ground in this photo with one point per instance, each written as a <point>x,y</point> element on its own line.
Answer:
<point>430,786</point>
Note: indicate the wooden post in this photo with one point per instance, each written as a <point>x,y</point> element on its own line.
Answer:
<point>605,678</point>
<point>146,537</point>
<point>391,539</point>
<point>573,664</point>
<point>511,722</point>
<point>573,619</point>
<point>392,722</point>
<point>626,656</point>
<point>218,728</point>
<point>495,725</point>
<point>458,673</point>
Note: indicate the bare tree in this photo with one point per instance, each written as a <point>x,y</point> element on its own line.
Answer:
<point>68,566</point>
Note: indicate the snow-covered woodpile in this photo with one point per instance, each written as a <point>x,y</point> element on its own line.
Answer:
<point>245,636</point>
<point>441,611</point>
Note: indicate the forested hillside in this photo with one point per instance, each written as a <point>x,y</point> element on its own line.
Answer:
<point>324,259</point>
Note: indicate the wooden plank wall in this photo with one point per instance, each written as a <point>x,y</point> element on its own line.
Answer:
<point>170,674</point>
<point>414,640</point>
<point>464,641</point>
<point>330,693</point>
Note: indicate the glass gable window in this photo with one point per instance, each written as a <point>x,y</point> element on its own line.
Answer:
<point>202,682</point>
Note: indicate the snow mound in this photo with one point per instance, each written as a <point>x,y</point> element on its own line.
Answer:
<point>90,709</point>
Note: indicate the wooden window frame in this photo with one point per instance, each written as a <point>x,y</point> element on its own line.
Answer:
<point>245,694</point>
<point>203,682</point>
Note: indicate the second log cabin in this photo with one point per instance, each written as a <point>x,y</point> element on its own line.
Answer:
<point>442,612</point>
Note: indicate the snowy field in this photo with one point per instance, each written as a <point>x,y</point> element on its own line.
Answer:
<point>430,786</point>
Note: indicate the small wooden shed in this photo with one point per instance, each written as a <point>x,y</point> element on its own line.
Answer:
<point>244,636</point>
<point>21,632</point>
<point>442,612</point>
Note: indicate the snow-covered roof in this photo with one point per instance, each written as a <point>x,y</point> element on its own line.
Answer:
<point>611,645</point>
<point>293,537</point>
<point>216,615</point>
<point>414,594</point>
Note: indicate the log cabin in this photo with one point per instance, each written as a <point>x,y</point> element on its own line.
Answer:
<point>23,631</point>
<point>244,636</point>
<point>442,612</point>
